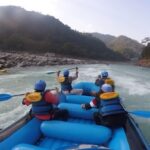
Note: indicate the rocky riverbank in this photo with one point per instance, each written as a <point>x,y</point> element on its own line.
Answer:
<point>23,59</point>
<point>144,62</point>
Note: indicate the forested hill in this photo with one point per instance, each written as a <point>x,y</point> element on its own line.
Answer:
<point>146,52</point>
<point>145,56</point>
<point>22,30</point>
<point>126,46</point>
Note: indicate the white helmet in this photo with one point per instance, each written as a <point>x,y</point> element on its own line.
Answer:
<point>106,88</point>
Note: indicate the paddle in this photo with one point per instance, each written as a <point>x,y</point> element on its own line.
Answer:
<point>51,72</point>
<point>141,113</point>
<point>4,97</point>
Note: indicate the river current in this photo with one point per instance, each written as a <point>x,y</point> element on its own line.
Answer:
<point>132,83</point>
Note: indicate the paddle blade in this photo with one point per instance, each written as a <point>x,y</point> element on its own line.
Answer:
<point>4,97</point>
<point>141,113</point>
<point>51,72</point>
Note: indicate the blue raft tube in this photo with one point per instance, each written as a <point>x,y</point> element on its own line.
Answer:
<point>79,132</point>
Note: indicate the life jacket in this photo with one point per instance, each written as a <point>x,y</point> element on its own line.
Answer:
<point>33,97</point>
<point>110,81</point>
<point>41,107</point>
<point>110,104</point>
<point>66,85</point>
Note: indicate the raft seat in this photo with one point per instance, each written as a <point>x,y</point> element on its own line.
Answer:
<point>81,99</point>
<point>52,142</point>
<point>60,134</point>
<point>76,132</point>
<point>86,86</point>
<point>75,111</point>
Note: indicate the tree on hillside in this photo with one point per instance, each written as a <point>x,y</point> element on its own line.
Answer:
<point>146,52</point>
<point>146,40</point>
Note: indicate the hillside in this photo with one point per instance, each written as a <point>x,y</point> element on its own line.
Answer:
<point>146,52</point>
<point>126,46</point>
<point>145,56</point>
<point>33,32</point>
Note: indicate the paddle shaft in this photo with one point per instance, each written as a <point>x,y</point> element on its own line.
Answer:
<point>57,71</point>
<point>18,95</point>
<point>72,68</point>
<point>68,69</point>
<point>4,96</point>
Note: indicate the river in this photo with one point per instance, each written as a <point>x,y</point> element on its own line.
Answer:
<point>132,82</point>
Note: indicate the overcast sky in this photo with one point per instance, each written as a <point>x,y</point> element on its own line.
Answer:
<point>115,17</point>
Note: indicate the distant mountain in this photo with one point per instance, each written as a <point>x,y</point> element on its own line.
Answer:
<point>106,38</point>
<point>33,32</point>
<point>126,46</point>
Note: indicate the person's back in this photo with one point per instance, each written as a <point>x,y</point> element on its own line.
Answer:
<point>103,78</point>
<point>42,104</point>
<point>99,81</point>
<point>111,113</point>
<point>66,82</point>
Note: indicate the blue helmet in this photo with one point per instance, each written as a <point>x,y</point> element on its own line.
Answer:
<point>66,73</point>
<point>106,88</point>
<point>104,74</point>
<point>40,85</point>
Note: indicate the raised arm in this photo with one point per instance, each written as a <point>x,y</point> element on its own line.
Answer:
<point>58,73</point>
<point>76,75</point>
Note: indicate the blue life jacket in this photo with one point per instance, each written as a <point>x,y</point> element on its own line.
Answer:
<point>110,104</point>
<point>66,85</point>
<point>41,107</point>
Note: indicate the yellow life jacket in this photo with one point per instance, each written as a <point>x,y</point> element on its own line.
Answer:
<point>61,79</point>
<point>33,97</point>
<point>109,95</point>
<point>110,81</point>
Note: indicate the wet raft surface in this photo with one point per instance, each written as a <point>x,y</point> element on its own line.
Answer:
<point>116,141</point>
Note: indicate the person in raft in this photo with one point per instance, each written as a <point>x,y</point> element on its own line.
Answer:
<point>103,78</point>
<point>111,113</point>
<point>43,102</point>
<point>66,82</point>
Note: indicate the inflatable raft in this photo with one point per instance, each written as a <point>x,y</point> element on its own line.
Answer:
<point>78,132</point>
